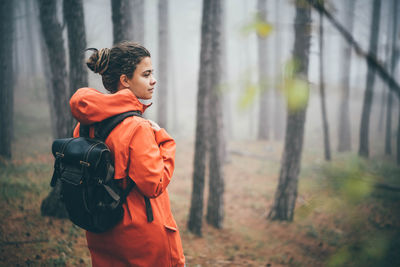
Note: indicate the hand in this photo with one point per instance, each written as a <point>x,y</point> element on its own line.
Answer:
<point>154,125</point>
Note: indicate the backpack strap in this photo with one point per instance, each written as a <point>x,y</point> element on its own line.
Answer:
<point>104,128</point>
<point>101,132</point>
<point>149,210</point>
<point>84,130</point>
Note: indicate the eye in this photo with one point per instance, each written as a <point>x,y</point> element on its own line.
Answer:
<point>147,73</point>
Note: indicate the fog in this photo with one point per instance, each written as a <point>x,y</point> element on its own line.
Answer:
<point>241,63</point>
<point>337,201</point>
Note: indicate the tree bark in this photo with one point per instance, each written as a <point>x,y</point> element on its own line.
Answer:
<point>7,21</point>
<point>196,206</point>
<point>122,20</point>
<point>327,146</point>
<point>52,34</point>
<point>279,109</point>
<point>163,47</point>
<point>45,64</point>
<point>138,21</point>
<point>263,116</point>
<point>388,130</point>
<point>74,17</point>
<point>215,204</point>
<point>344,129</point>
<point>393,63</point>
<point>398,139</point>
<point>225,94</point>
<point>286,193</point>
<point>384,97</point>
<point>29,28</point>
<point>368,95</point>
<point>20,33</point>
<point>52,205</point>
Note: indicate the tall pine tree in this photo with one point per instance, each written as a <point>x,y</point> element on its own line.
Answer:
<point>286,193</point>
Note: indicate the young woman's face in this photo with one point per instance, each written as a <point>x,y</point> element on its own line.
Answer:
<point>142,81</point>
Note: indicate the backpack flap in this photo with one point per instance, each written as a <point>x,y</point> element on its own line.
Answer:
<point>76,157</point>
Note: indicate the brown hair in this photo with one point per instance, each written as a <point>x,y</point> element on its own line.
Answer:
<point>122,58</point>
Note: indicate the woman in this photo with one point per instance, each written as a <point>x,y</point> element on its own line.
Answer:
<point>142,152</point>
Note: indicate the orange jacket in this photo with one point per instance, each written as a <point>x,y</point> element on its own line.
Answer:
<point>147,157</point>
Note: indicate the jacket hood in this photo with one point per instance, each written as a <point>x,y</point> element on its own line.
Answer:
<point>89,105</point>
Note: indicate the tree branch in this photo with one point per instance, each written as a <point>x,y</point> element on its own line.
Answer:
<point>369,57</point>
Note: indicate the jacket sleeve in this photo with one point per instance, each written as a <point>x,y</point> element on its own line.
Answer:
<point>151,159</point>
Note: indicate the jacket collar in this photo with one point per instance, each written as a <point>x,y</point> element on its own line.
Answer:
<point>89,105</point>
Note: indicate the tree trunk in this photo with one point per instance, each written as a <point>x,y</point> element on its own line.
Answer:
<point>52,34</point>
<point>286,193</point>
<point>6,78</point>
<point>279,110</point>
<point>344,129</point>
<point>225,94</point>
<point>75,20</point>
<point>45,69</point>
<point>20,33</point>
<point>327,146</point>
<point>215,204</point>
<point>393,63</point>
<point>263,116</point>
<point>29,29</point>
<point>163,47</point>
<point>368,95</point>
<point>49,86</point>
<point>398,138</point>
<point>122,20</point>
<point>383,101</point>
<point>138,21</point>
<point>388,133</point>
<point>196,206</point>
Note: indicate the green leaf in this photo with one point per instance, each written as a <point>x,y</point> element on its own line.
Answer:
<point>296,92</point>
<point>263,29</point>
<point>259,26</point>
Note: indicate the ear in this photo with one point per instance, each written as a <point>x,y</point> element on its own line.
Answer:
<point>123,79</point>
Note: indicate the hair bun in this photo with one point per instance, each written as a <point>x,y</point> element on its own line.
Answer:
<point>98,61</point>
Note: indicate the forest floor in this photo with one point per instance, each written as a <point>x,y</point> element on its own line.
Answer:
<point>341,217</point>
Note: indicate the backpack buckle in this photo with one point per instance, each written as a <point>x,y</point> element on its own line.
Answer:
<point>84,163</point>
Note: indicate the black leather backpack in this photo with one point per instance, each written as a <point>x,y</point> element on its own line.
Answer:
<point>84,167</point>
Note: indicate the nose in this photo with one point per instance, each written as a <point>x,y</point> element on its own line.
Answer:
<point>153,81</point>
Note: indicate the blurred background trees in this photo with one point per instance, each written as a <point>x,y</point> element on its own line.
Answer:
<point>75,20</point>
<point>368,95</point>
<point>208,119</point>
<point>227,71</point>
<point>121,20</point>
<point>286,193</point>
<point>163,60</point>
<point>6,78</point>
<point>344,128</point>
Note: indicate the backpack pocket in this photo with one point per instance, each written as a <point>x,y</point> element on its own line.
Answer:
<point>72,175</point>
